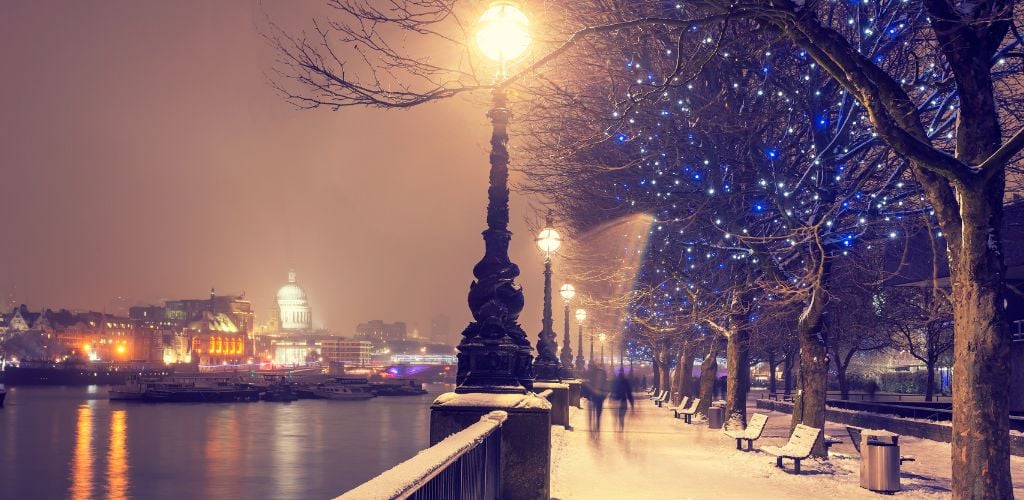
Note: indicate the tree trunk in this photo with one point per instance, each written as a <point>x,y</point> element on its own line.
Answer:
<point>812,381</point>
<point>656,375</point>
<point>981,453</point>
<point>844,384</point>
<point>738,379</point>
<point>708,375</point>
<point>666,372</point>
<point>929,390</point>
<point>686,368</point>
<point>771,372</point>
<point>787,375</point>
<point>677,380</point>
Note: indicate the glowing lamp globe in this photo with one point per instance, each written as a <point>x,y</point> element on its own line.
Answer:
<point>602,337</point>
<point>581,315</point>
<point>567,292</point>
<point>504,31</point>
<point>548,240</point>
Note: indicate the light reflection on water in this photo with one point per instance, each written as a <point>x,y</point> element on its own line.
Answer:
<point>73,443</point>
<point>81,461</point>
<point>117,456</point>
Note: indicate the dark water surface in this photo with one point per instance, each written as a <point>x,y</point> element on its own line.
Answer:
<point>71,442</point>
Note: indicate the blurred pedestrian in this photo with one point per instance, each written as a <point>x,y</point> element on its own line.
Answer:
<point>622,391</point>
<point>598,390</point>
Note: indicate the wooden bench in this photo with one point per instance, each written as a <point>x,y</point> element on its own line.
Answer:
<point>855,436</point>
<point>681,407</point>
<point>655,395</point>
<point>755,427</point>
<point>662,399</point>
<point>688,413</point>
<point>799,447</point>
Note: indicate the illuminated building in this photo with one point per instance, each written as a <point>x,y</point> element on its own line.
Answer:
<point>293,309</point>
<point>345,351</point>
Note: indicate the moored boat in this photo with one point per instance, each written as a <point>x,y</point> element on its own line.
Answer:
<point>184,389</point>
<point>279,393</point>
<point>341,391</point>
<point>398,387</point>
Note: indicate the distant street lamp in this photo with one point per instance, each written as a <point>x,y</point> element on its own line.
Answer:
<point>581,316</point>
<point>567,292</point>
<point>546,365</point>
<point>602,338</point>
<point>495,354</point>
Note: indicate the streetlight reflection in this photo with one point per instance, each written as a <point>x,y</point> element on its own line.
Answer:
<point>117,456</point>
<point>81,458</point>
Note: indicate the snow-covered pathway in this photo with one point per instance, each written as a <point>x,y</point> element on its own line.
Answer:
<point>660,457</point>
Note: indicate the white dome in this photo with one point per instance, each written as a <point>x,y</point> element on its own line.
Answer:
<point>293,307</point>
<point>291,291</point>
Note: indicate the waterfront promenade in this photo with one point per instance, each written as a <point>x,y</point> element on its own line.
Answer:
<point>661,457</point>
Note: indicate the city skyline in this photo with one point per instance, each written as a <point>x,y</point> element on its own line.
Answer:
<point>202,177</point>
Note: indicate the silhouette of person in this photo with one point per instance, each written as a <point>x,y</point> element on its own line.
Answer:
<point>597,390</point>
<point>622,391</point>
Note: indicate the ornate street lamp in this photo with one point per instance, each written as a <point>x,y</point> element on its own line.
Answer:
<point>581,366</point>
<point>495,354</point>
<point>546,365</point>
<point>567,292</point>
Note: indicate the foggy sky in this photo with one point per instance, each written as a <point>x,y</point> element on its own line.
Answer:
<point>144,156</point>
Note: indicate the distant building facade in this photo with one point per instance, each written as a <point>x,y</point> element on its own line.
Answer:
<point>378,331</point>
<point>346,351</point>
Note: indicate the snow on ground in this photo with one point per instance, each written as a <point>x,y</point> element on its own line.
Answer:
<point>658,457</point>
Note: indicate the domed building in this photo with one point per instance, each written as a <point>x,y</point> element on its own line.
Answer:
<point>292,307</point>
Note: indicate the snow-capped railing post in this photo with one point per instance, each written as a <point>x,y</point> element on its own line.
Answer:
<point>525,436</point>
<point>466,464</point>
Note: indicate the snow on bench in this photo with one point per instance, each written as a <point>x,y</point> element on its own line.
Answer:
<point>661,399</point>
<point>798,448</point>
<point>755,427</point>
<point>681,407</point>
<point>688,412</point>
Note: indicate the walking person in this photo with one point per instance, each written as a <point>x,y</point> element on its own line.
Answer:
<point>622,391</point>
<point>598,391</point>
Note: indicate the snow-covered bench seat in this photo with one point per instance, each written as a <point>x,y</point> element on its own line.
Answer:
<point>798,448</point>
<point>657,394</point>
<point>855,436</point>
<point>755,427</point>
<point>681,407</point>
<point>688,413</point>
<point>661,399</point>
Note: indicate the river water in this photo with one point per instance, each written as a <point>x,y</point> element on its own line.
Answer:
<point>71,442</point>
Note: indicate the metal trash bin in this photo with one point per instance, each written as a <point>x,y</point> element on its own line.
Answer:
<point>880,463</point>
<point>716,417</point>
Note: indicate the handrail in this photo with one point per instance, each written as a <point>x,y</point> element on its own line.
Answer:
<point>403,480</point>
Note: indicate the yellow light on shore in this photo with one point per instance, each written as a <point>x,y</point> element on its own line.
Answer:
<point>581,315</point>
<point>567,292</point>
<point>504,31</point>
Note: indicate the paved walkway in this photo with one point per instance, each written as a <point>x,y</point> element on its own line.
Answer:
<point>660,457</point>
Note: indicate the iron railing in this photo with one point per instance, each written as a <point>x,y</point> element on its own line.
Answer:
<point>465,465</point>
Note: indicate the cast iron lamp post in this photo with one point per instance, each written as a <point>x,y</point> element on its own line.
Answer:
<point>546,365</point>
<point>602,337</point>
<point>567,292</point>
<point>581,316</point>
<point>495,354</point>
